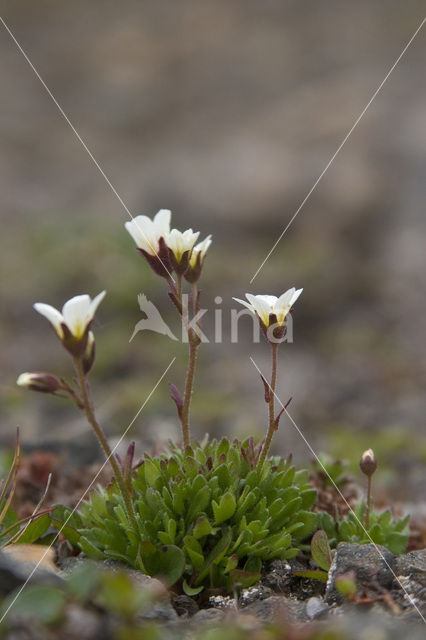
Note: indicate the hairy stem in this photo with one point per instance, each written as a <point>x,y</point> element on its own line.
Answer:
<point>189,381</point>
<point>193,344</point>
<point>179,287</point>
<point>368,507</point>
<point>90,415</point>
<point>271,406</point>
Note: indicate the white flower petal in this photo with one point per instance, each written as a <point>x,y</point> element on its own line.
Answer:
<point>76,312</point>
<point>261,306</point>
<point>179,242</point>
<point>295,296</point>
<point>285,299</point>
<point>143,233</point>
<point>162,222</point>
<point>24,379</point>
<point>52,314</point>
<point>245,303</point>
<point>270,300</point>
<point>95,303</point>
<point>202,247</point>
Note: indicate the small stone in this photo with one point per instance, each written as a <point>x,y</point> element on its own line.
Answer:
<point>81,623</point>
<point>278,576</point>
<point>208,616</point>
<point>368,561</point>
<point>14,573</point>
<point>185,606</point>
<point>277,607</point>
<point>315,607</point>
<point>258,592</point>
<point>413,564</point>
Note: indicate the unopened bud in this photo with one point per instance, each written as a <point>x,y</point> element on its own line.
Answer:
<point>368,462</point>
<point>39,381</point>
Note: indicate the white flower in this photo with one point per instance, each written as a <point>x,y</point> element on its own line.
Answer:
<point>199,251</point>
<point>146,232</point>
<point>180,242</point>
<point>265,305</point>
<point>77,314</point>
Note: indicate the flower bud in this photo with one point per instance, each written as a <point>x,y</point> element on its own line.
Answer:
<point>39,381</point>
<point>368,462</point>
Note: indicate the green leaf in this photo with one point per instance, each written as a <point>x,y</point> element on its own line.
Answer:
<point>346,584</point>
<point>202,527</point>
<point>243,578</point>
<point>376,534</point>
<point>82,580</point>
<point>215,555</point>
<point>45,604</point>
<point>194,551</point>
<point>166,563</point>
<point>231,563</point>
<point>225,509</point>
<point>199,502</point>
<point>90,549</point>
<point>309,521</point>
<point>34,530</point>
<point>320,550</point>
<point>118,595</point>
<point>191,591</point>
<point>326,522</point>
<point>314,574</point>
<point>346,530</point>
<point>396,542</point>
<point>151,470</point>
<point>308,498</point>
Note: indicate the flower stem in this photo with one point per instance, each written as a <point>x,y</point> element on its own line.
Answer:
<point>193,344</point>
<point>179,287</point>
<point>189,381</point>
<point>90,415</point>
<point>368,506</point>
<point>271,406</point>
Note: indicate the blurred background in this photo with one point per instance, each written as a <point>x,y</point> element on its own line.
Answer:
<point>226,113</point>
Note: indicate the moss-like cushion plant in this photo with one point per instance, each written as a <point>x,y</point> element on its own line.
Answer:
<point>383,528</point>
<point>207,516</point>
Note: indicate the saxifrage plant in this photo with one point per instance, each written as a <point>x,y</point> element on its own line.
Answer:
<point>364,525</point>
<point>208,515</point>
<point>200,514</point>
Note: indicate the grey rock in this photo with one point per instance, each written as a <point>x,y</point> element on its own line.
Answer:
<point>277,607</point>
<point>315,607</point>
<point>14,573</point>
<point>411,579</point>
<point>377,624</point>
<point>160,610</point>
<point>83,624</point>
<point>185,606</point>
<point>368,561</point>
<point>413,565</point>
<point>278,576</point>
<point>208,616</point>
<point>252,594</point>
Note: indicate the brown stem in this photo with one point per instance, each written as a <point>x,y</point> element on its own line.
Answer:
<point>271,406</point>
<point>90,415</point>
<point>193,344</point>
<point>179,287</point>
<point>368,507</point>
<point>189,381</point>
